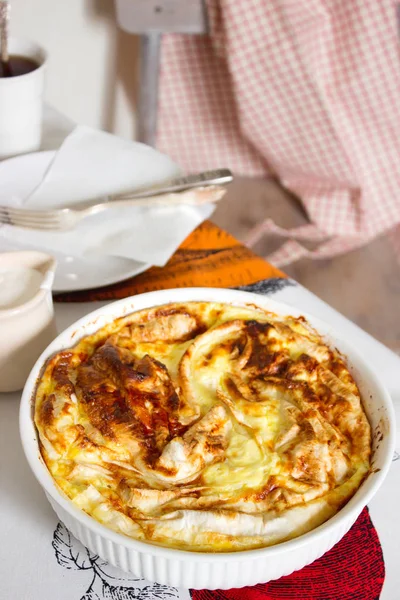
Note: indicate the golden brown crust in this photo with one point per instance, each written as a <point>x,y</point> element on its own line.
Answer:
<point>200,425</point>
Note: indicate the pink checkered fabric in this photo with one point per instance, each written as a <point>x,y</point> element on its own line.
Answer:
<point>306,90</point>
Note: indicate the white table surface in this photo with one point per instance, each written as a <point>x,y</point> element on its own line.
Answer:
<point>40,562</point>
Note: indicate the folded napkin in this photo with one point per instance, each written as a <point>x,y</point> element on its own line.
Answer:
<point>93,164</point>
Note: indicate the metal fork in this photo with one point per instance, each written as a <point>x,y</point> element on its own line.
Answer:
<point>178,184</point>
<point>194,189</point>
<point>66,218</point>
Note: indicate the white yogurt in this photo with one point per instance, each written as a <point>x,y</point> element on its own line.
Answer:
<point>18,285</point>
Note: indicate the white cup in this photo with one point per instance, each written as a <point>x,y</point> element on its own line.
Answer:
<point>21,103</point>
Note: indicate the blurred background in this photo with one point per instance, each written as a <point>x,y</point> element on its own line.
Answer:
<point>92,70</point>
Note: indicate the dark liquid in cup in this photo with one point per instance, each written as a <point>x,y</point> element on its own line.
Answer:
<point>17,65</point>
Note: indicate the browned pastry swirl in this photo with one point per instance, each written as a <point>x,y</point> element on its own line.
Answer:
<point>204,426</point>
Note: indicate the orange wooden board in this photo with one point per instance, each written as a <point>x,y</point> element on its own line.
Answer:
<point>209,257</point>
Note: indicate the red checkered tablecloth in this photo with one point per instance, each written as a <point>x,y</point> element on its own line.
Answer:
<point>307,91</point>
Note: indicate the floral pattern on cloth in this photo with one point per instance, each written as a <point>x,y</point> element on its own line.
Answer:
<point>104,582</point>
<point>305,91</point>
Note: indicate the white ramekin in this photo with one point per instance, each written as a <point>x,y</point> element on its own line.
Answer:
<point>29,327</point>
<point>206,570</point>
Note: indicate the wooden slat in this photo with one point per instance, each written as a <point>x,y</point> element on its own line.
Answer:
<point>164,16</point>
<point>148,88</point>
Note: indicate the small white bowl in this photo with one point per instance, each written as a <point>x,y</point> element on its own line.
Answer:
<point>225,570</point>
<point>27,328</point>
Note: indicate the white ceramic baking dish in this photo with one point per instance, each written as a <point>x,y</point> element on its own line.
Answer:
<point>207,570</point>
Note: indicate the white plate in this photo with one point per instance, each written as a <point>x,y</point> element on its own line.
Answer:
<point>19,176</point>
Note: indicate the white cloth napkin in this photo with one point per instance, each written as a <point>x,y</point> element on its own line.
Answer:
<point>92,164</point>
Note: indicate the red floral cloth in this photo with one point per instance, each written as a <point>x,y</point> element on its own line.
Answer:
<point>308,91</point>
<point>352,570</point>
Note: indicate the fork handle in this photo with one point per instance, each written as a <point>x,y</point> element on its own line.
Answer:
<point>194,197</point>
<point>214,177</point>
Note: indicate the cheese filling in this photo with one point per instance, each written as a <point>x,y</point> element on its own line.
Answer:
<point>204,426</point>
